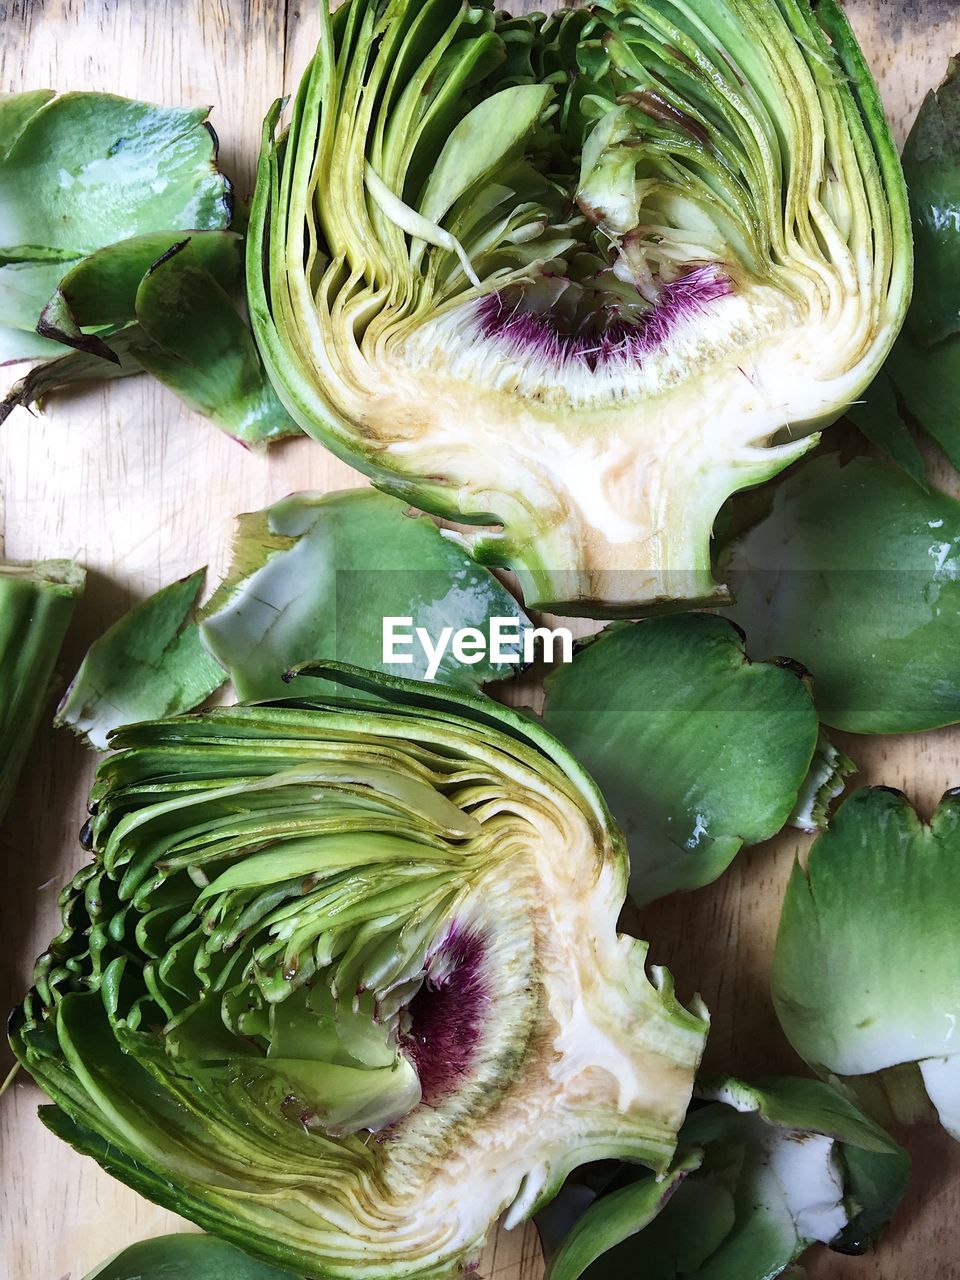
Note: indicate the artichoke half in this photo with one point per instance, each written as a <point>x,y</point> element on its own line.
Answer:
<point>343,981</point>
<point>580,277</point>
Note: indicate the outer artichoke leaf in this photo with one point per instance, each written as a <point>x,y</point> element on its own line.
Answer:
<point>928,382</point>
<point>697,750</point>
<point>101,291</point>
<point>89,169</point>
<point>931,162</point>
<point>772,1167</point>
<point>36,605</point>
<point>871,921</point>
<point>615,1218</point>
<point>201,348</point>
<point>185,1257</point>
<point>303,587</point>
<point>878,418</point>
<point>16,111</point>
<point>454,954</point>
<point>855,572</point>
<point>470,363</point>
<point>150,663</point>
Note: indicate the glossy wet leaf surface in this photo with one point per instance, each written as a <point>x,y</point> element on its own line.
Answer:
<point>697,750</point>
<point>855,572</point>
<point>315,575</point>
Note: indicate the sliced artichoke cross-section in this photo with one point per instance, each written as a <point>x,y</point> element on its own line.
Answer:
<point>579,278</point>
<point>344,984</point>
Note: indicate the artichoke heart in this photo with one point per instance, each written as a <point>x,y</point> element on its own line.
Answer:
<point>343,981</point>
<point>579,278</point>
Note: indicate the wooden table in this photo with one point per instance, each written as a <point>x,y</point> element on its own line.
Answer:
<point>141,491</point>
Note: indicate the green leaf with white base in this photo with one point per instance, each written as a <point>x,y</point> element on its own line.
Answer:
<point>866,977</point>
<point>765,1171</point>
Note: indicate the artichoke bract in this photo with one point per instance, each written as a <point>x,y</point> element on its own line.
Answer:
<point>579,278</point>
<point>343,982</point>
<point>866,974</point>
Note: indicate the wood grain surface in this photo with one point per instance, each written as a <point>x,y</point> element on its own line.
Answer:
<point>142,491</point>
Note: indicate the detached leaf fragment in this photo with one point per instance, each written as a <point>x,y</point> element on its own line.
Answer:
<point>149,664</point>
<point>854,570</point>
<point>128,259</point>
<point>925,362</point>
<point>866,976</point>
<point>185,1257</point>
<point>84,170</point>
<point>315,575</point>
<point>764,1172</point>
<point>697,750</point>
<point>36,604</point>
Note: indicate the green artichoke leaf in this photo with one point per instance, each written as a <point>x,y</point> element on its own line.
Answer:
<point>82,171</point>
<point>855,571</point>
<point>925,362</point>
<point>874,1003</point>
<point>931,163</point>
<point>37,602</point>
<point>150,663</point>
<point>185,1257</point>
<point>100,292</point>
<point>768,1169</point>
<point>16,112</point>
<point>698,750</point>
<point>928,382</point>
<point>537,241</point>
<point>88,169</point>
<point>314,574</point>
<point>342,983</point>
<point>200,347</point>
<point>878,418</point>
<point>615,1218</point>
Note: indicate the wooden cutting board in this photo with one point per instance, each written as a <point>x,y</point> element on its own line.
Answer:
<point>142,491</point>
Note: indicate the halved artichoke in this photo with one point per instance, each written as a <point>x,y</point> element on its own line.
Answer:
<point>579,277</point>
<point>343,982</point>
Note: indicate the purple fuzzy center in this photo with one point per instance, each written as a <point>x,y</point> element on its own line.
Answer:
<point>446,1014</point>
<point>620,341</point>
